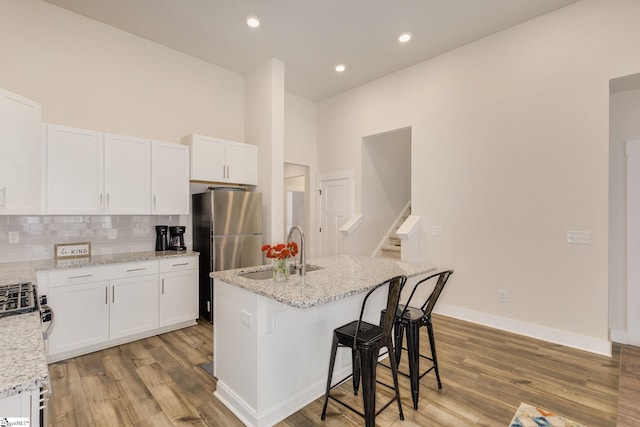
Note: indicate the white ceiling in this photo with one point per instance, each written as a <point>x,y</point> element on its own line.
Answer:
<point>312,36</point>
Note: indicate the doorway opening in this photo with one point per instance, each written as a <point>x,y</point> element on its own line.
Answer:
<point>386,191</point>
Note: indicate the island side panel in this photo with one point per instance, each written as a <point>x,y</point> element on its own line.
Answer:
<point>235,349</point>
<point>295,345</point>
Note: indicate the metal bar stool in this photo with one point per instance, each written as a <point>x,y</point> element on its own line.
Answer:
<point>408,321</point>
<point>366,340</point>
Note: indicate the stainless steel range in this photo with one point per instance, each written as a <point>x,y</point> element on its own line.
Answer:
<point>21,298</point>
<point>17,298</point>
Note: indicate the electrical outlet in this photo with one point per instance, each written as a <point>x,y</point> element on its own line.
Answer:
<point>14,237</point>
<point>246,318</point>
<point>436,230</point>
<point>578,237</point>
<point>503,295</point>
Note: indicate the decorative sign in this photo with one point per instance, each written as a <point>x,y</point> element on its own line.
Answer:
<point>72,250</point>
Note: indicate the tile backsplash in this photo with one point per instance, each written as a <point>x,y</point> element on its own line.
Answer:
<point>108,234</point>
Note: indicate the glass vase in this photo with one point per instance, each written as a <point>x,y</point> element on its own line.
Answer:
<point>280,270</point>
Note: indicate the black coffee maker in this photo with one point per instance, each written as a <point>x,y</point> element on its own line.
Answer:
<point>176,238</point>
<point>161,237</point>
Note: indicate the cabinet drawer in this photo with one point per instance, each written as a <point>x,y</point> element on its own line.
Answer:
<point>178,263</point>
<point>74,276</point>
<point>133,269</point>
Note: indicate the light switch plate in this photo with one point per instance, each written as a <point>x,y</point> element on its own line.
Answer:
<point>14,237</point>
<point>578,237</point>
<point>436,230</point>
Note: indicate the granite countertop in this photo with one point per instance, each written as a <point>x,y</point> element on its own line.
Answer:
<point>23,359</point>
<point>25,271</point>
<point>341,276</point>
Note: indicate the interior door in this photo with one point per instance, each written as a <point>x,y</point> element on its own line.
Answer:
<point>336,207</point>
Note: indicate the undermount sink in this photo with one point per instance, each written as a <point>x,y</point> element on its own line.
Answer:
<point>268,274</point>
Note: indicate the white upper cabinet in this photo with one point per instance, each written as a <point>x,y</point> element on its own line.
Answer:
<point>169,179</point>
<point>127,175</point>
<point>20,155</point>
<point>219,160</point>
<point>242,163</point>
<point>75,171</point>
<point>92,173</point>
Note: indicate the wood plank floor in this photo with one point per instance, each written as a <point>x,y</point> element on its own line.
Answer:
<point>485,373</point>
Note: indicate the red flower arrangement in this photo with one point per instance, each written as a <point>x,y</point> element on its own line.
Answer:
<point>281,250</point>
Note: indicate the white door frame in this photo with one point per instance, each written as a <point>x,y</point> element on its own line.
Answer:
<point>633,242</point>
<point>331,176</point>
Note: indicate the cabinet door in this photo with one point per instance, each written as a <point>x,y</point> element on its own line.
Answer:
<point>242,163</point>
<point>75,171</point>
<point>178,297</point>
<point>127,175</point>
<point>20,155</point>
<point>169,179</point>
<point>134,306</point>
<point>81,316</point>
<point>208,159</point>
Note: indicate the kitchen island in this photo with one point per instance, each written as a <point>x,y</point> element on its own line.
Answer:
<point>272,340</point>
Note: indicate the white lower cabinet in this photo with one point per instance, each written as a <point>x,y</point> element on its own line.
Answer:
<point>98,307</point>
<point>178,285</point>
<point>81,316</point>
<point>134,306</point>
<point>22,405</point>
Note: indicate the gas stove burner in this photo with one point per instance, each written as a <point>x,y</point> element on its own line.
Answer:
<point>17,298</point>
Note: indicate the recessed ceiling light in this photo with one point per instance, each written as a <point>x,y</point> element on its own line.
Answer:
<point>253,22</point>
<point>340,68</point>
<point>404,37</point>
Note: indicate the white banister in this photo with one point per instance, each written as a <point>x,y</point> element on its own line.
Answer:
<point>409,227</point>
<point>351,225</point>
<point>410,236</point>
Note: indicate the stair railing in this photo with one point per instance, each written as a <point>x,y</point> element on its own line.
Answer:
<point>409,234</point>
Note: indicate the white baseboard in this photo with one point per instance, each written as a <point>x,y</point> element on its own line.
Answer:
<point>273,415</point>
<point>556,336</point>
<point>619,336</point>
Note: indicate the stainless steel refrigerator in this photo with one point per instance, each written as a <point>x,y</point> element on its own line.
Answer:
<point>227,231</point>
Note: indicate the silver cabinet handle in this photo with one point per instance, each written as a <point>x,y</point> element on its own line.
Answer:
<point>136,269</point>
<point>224,171</point>
<point>178,265</point>
<point>108,201</point>
<point>106,295</point>
<point>81,277</point>
<point>162,286</point>
<point>101,202</point>
<point>4,197</point>
<point>113,294</point>
<point>155,204</point>
<point>227,171</point>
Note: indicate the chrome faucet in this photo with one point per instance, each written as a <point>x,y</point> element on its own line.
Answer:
<point>302,268</point>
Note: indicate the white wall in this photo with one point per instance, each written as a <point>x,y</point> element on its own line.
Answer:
<point>90,75</point>
<point>300,129</point>
<point>624,126</point>
<point>510,150</point>
<point>265,128</point>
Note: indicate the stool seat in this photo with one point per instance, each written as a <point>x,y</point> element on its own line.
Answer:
<point>365,340</point>
<point>368,333</point>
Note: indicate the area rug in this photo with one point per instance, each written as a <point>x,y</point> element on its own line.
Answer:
<point>530,416</point>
